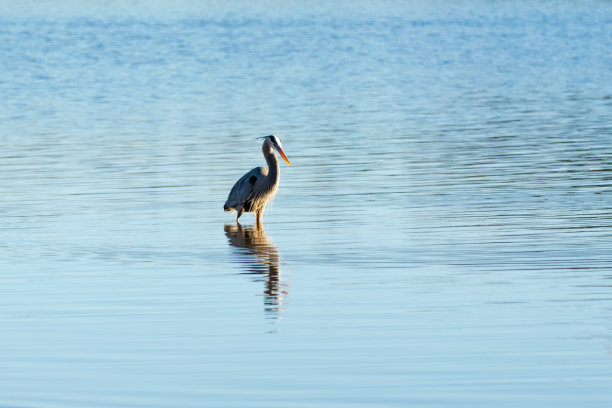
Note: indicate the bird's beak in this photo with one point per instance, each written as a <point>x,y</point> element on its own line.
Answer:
<point>283,154</point>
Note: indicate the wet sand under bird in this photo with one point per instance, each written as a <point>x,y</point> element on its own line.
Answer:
<point>252,191</point>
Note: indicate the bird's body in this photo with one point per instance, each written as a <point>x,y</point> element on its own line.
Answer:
<point>253,190</point>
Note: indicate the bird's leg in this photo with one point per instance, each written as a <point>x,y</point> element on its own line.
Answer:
<point>239,214</point>
<point>258,218</point>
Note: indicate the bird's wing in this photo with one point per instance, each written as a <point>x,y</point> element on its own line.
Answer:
<point>244,188</point>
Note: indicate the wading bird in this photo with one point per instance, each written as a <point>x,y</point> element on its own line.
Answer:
<point>254,189</point>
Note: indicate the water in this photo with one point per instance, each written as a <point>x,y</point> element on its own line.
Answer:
<point>442,238</point>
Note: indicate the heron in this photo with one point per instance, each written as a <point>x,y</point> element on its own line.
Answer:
<point>253,190</point>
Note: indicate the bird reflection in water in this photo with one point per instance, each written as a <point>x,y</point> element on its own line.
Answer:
<point>260,258</point>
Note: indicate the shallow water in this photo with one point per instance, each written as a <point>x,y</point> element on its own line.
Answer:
<point>442,238</point>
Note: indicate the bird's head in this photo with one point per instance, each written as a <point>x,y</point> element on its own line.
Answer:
<point>275,143</point>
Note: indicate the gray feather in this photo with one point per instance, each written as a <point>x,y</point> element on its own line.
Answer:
<point>245,189</point>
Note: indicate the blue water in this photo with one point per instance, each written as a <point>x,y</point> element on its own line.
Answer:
<point>442,238</point>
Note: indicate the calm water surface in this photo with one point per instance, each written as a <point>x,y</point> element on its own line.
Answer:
<point>442,238</point>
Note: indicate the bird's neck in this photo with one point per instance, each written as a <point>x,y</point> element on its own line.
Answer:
<point>272,161</point>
